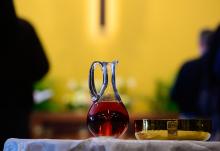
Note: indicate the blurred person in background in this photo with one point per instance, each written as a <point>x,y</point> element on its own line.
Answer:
<point>197,87</point>
<point>22,62</point>
<point>187,85</point>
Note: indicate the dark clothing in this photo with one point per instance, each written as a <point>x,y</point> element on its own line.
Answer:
<point>187,86</point>
<point>22,62</point>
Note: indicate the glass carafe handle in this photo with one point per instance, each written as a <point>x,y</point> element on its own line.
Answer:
<point>96,95</point>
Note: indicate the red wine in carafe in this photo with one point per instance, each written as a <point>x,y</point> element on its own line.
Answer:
<point>107,118</point>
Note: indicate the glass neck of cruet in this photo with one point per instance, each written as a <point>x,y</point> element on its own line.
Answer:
<point>108,91</point>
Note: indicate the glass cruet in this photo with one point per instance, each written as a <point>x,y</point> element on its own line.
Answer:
<point>107,115</point>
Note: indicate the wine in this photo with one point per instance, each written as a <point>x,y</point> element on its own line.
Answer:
<point>107,118</point>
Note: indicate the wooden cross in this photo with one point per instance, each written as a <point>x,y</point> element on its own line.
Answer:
<point>102,13</point>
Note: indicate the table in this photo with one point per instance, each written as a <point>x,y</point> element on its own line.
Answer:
<point>107,144</point>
